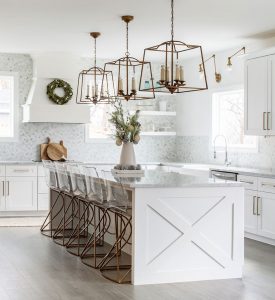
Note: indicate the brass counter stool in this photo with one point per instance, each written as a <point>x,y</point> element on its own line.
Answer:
<point>47,227</point>
<point>79,236</point>
<point>67,222</point>
<point>116,265</point>
<point>96,248</point>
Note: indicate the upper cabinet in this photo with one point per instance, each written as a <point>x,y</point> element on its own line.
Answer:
<point>260,95</point>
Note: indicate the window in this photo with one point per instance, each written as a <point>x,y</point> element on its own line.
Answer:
<point>228,120</point>
<point>99,129</point>
<point>8,107</point>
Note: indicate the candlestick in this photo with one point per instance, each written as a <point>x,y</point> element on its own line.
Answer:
<point>177,76</point>
<point>120,84</point>
<point>134,84</point>
<point>181,73</point>
<point>162,73</point>
<point>167,74</point>
<point>96,90</point>
<point>93,91</point>
<point>88,91</point>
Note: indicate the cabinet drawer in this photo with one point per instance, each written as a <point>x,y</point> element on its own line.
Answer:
<point>43,202</point>
<point>2,170</point>
<point>21,170</point>
<point>266,185</point>
<point>42,186</point>
<point>250,182</point>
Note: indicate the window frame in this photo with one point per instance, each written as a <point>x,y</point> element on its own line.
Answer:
<point>232,149</point>
<point>15,136</point>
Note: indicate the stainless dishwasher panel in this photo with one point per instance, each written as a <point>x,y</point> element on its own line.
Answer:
<point>224,175</point>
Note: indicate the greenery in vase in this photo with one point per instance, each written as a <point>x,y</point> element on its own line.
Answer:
<point>127,127</point>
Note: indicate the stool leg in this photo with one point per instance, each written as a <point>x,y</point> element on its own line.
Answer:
<point>50,218</point>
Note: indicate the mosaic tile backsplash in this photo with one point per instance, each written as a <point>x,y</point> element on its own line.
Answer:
<point>33,134</point>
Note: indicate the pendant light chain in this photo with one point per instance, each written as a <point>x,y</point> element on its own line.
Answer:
<point>127,39</point>
<point>172,20</point>
<point>95,52</point>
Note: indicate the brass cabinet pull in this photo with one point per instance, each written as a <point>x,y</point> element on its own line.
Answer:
<point>258,210</point>
<point>268,119</point>
<point>264,118</point>
<point>254,205</point>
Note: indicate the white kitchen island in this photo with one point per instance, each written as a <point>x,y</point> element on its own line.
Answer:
<point>186,228</point>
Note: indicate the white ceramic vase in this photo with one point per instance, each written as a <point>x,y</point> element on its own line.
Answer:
<point>127,155</point>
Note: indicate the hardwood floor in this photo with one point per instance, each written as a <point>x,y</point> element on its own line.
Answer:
<point>32,267</point>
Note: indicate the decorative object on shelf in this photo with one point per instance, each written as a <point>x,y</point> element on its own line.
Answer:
<point>95,85</point>
<point>172,78</point>
<point>127,133</point>
<point>218,76</point>
<point>59,83</point>
<point>229,62</point>
<point>127,67</point>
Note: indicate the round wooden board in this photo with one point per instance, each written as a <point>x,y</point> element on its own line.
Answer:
<point>56,151</point>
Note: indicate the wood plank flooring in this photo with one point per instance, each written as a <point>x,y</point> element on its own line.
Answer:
<point>32,267</point>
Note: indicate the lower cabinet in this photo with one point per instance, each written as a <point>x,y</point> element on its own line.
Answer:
<point>259,216</point>
<point>2,193</point>
<point>266,215</point>
<point>21,193</point>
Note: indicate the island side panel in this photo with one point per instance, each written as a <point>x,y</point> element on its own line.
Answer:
<point>187,234</point>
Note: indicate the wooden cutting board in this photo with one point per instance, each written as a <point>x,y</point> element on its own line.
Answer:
<point>43,150</point>
<point>57,151</point>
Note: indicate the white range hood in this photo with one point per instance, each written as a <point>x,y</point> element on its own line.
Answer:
<point>38,107</point>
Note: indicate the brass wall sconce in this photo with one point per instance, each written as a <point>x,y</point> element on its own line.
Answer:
<point>229,62</point>
<point>218,76</point>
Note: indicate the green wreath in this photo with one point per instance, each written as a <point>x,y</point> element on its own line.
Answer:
<point>58,83</point>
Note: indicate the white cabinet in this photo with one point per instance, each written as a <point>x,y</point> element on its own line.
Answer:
<point>2,193</point>
<point>266,213</point>
<point>259,206</point>
<point>21,193</point>
<point>250,212</point>
<point>256,96</point>
<point>260,95</point>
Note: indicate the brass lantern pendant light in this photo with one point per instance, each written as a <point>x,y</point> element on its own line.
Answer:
<point>126,69</point>
<point>170,75</point>
<point>95,85</point>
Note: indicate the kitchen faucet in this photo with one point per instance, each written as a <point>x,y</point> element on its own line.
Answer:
<point>226,162</point>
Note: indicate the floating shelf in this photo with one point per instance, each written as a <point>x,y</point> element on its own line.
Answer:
<point>159,133</point>
<point>156,113</point>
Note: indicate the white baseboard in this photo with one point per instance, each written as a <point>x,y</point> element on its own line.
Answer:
<point>259,238</point>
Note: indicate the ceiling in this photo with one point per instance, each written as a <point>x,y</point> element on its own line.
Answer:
<point>28,26</point>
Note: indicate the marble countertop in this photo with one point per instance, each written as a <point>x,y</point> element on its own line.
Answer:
<point>162,179</point>
<point>270,173</point>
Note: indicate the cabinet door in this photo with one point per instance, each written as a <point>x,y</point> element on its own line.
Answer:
<point>21,193</point>
<point>271,96</point>
<point>256,96</point>
<point>2,193</point>
<point>266,213</point>
<point>250,212</point>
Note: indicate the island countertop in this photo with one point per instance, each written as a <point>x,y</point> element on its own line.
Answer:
<point>161,179</point>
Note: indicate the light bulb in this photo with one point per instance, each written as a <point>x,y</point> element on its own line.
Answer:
<point>229,64</point>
